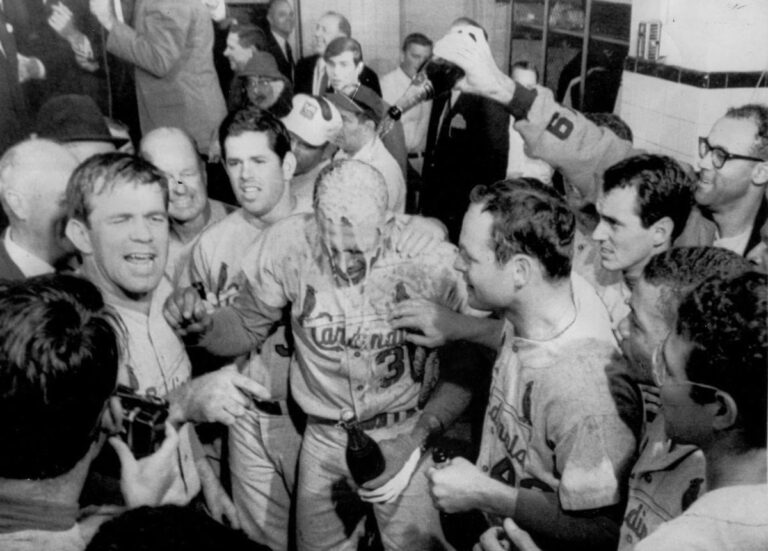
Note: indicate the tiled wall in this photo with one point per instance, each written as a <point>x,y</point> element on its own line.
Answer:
<point>719,46</point>
<point>667,117</point>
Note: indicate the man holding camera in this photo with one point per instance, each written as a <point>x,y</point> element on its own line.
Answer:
<point>59,351</point>
<point>118,220</point>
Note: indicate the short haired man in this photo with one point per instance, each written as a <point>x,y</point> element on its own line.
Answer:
<point>643,207</point>
<point>361,113</point>
<point>33,179</point>
<point>730,194</point>
<point>417,48</point>
<point>555,450</point>
<point>313,123</point>
<point>190,210</point>
<point>59,349</point>
<point>118,220</point>
<point>341,273</point>
<point>281,20</point>
<point>264,443</point>
<point>666,477</point>
<point>310,73</point>
<point>76,122</point>
<point>242,42</point>
<point>713,394</point>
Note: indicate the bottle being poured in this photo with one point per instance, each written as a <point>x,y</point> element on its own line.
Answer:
<point>435,76</point>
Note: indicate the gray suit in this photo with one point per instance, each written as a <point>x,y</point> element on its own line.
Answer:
<point>171,47</point>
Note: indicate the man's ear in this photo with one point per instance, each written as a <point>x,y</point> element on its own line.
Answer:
<point>289,165</point>
<point>662,230</point>
<point>521,269</point>
<point>760,174</point>
<point>77,232</point>
<point>17,204</point>
<point>727,411</point>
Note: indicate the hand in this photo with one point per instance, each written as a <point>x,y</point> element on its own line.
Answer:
<point>219,504</point>
<point>436,323</point>
<point>221,396</point>
<point>217,9</point>
<point>83,50</point>
<point>186,312</point>
<point>493,539</point>
<point>30,68</point>
<point>391,490</point>
<point>214,150</point>
<point>61,21</point>
<point>456,485</point>
<point>112,419</point>
<point>104,12</point>
<point>397,453</point>
<point>420,234</point>
<point>146,481</point>
<point>466,46</point>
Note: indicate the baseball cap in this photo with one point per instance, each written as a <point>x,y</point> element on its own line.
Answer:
<point>314,120</point>
<point>261,64</point>
<point>74,118</point>
<point>362,100</point>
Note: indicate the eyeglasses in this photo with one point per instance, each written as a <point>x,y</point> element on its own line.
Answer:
<point>659,373</point>
<point>259,82</point>
<point>719,155</point>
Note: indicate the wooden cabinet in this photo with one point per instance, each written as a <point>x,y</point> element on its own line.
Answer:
<point>579,47</point>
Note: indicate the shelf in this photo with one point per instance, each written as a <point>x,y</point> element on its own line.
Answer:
<point>574,33</point>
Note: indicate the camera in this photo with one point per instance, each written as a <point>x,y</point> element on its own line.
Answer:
<point>143,421</point>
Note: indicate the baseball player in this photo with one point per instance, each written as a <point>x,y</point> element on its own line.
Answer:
<point>341,275</point>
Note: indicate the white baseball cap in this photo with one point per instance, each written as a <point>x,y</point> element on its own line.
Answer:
<point>315,120</point>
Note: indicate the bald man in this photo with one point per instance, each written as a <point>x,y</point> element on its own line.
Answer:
<point>191,211</point>
<point>33,178</point>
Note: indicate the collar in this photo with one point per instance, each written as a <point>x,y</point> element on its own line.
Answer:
<point>280,40</point>
<point>18,513</point>
<point>29,264</point>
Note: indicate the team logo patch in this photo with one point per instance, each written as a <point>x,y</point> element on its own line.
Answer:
<point>308,110</point>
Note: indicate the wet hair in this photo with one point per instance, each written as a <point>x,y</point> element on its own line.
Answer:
<point>253,119</point>
<point>105,172</point>
<point>680,269</point>
<point>725,321</point>
<point>757,113</point>
<point>343,44</point>
<point>664,188</point>
<point>612,122</point>
<point>59,353</point>
<point>529,218</point>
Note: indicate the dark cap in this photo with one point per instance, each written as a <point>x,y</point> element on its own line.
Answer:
<point>363,100</point>
<point>261,64</point>
<point>74,118</point>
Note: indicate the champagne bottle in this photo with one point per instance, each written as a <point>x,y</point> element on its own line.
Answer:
<point>435,76</point>
<point>461,530</point>
<point>364,458</point>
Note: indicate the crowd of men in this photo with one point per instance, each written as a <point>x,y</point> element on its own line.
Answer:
<point>609,333</point>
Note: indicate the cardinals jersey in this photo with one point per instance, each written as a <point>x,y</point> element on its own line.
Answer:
<point>348,354</point>
<point>552,420</point>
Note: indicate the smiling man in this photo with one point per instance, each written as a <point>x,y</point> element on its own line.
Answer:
<point>643,206</point>
<point>190,210</point>
<point>730,194</point>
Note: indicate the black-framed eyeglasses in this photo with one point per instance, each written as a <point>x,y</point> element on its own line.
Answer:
<point>719,155</point>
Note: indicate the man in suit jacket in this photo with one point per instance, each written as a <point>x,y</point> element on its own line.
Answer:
<point>310,77</point>
<point>33,179</point>
<point>281,22</point>
<point>171,47</point>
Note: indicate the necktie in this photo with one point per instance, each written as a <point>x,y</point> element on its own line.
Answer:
<point>289,57</point>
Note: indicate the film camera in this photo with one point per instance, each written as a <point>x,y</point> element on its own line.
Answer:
<point>143,421</point>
